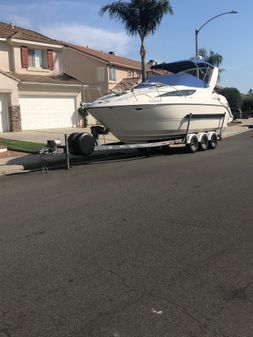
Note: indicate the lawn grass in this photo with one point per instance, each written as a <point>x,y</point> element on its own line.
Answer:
<point>18,145</point>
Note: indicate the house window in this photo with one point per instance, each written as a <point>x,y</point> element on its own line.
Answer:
<point>36,58</point>
<point>100,74</point>
<point>112,74</point>
<point>130,74</point>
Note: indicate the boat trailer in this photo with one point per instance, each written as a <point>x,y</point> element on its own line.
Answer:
<point>84,144</point>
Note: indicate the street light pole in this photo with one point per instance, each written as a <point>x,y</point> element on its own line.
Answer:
<point>198,30</point>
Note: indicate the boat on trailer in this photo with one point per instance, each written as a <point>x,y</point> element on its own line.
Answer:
<point>160,108</point>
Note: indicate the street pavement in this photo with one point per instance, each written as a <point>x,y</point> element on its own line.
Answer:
<point>26,162</point>
<point>157,246</point>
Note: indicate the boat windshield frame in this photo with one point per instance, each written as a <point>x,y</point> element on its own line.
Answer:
<point>202,73</point>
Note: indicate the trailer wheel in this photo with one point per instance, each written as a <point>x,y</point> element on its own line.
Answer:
<point>85,144</point>
<point>204,142</point>
<point>213,142</point>
<point>73,143</point>
<point>192,146</point>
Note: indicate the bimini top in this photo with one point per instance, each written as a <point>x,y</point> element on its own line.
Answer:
<point>173,80</point>
<point>176,67</point>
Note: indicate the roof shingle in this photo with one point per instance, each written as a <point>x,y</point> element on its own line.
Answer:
<point>107,57</point>
<point>127,83</point>
<point>42,79</point>
<point>8,31</point>
<point>53,79</point>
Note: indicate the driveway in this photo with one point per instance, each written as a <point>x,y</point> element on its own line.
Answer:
<point>42,135</point>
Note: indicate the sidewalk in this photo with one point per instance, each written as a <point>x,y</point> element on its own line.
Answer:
<point>41,136</point>
<point>16,162</point>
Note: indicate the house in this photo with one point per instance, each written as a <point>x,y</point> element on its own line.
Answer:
<point>101,71</point>
<point>35,93</point>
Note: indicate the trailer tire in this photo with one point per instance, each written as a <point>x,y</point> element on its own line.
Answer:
<point>192,146</point>
<point>73,143</point>
<point>204,143</point>
<point>213,142</point>
<point>85,143</point>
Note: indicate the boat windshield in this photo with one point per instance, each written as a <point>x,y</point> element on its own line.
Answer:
<point>202,73</point>
<point>184,78</point>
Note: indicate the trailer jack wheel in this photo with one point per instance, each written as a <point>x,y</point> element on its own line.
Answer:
<point>192,146</point>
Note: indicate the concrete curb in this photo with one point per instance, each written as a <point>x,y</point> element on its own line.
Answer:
<point>14,169</point>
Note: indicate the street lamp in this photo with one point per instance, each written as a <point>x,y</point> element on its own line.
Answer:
<point>198,30</point>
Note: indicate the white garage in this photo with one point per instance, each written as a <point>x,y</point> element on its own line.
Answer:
<point>47,112</point>
<point>3,114</point>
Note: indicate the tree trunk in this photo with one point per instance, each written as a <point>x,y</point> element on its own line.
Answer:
<point>143,63</point>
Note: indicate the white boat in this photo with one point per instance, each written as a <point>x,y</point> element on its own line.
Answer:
<point>159,108</point>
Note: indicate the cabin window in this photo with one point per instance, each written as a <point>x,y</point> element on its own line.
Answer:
<point>112,74</point>
<point>178,93</point>
<point>36,58</point>
<point>100,74</point>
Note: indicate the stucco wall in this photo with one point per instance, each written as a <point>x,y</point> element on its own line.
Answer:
<point>58,65</point>
<point>48,90</point>
<point>84,69</point>
<point>5,56</point>
<point>9,87</point>
<point>122,73</point>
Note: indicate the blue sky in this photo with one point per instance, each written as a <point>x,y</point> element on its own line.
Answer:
<point>78,21</point>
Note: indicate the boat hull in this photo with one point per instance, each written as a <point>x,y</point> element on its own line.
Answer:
<point>153,122</point>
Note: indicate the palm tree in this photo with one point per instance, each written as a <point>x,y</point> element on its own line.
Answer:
<point>213,58</point>
<point>139,17</point>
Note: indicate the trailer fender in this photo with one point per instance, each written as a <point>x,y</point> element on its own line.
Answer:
<point>189,137</point>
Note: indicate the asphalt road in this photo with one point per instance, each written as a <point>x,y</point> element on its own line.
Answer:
<point>156,246</point>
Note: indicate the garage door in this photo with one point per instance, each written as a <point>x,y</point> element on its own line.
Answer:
<point>47,112</point>
<point>3,114</point>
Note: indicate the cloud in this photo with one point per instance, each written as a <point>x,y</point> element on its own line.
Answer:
<point>21,21</point>
<point>92,37</point>
<point>12,14</point>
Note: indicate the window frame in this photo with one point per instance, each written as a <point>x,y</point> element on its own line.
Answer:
<point>112,73</point>
<point>100,74</point>
<point>130,74</point>
<point>37,58</point>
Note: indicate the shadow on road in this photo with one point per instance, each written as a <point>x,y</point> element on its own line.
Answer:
<point>58,161</point>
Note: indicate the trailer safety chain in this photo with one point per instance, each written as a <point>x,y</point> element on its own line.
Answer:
<point>52,147</point>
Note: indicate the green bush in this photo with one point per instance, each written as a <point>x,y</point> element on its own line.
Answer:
<point>247,104</point>
<point>233,96</point>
